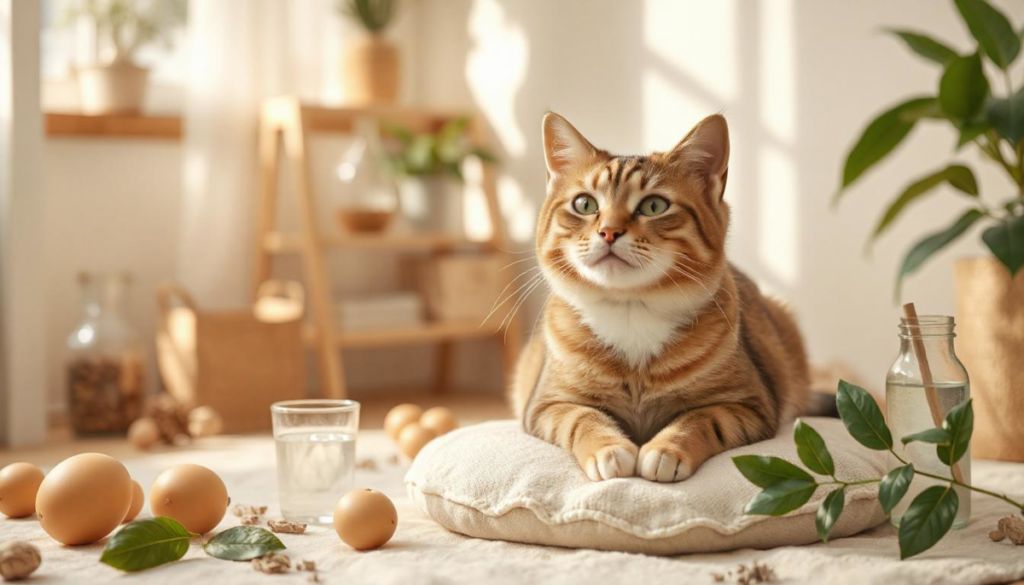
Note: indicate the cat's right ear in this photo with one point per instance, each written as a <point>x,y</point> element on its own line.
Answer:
<point>563,144</point>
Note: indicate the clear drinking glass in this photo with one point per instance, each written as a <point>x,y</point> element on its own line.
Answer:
<point>917,401</point>
<point>316,456</point>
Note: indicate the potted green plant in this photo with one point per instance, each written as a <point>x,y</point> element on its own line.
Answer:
<point>428,171</point>
<point>115,83</point>
<point>370,63</point>
<point>988,116</point>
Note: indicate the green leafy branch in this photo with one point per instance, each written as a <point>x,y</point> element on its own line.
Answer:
<point>786,487</point>
<point>372,15</point>
<point>964,99</point>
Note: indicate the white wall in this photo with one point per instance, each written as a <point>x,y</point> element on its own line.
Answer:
<point>797,80</point>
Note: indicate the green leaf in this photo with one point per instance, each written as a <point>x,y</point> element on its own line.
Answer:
<point>242,543</point>
<point>781,498</point>
<point>828,513</point>
<point>970,130</point>
<point>811,449</point>
<point>862,417</point>
<point>958,176</point>
<point>882,135</point>
<point>992,30</point>
<point>147,543</point>
<point>963,88</point>
<point>934,436</point>
<point>927,520</point>
<point>925,46</point>
<point>765,472</point>
<point>1006,241</point>
<point>959,424</point>
<point>1006,115</point>
<point>894,486</point>
<point>933,243</point>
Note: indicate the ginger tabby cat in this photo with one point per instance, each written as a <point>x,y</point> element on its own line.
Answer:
<point>653,353</point>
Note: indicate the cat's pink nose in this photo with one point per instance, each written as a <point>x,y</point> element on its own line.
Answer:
<point>610,234</point>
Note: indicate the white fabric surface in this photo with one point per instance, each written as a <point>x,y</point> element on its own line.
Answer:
<point>424,552</point>
<point>495,481</point>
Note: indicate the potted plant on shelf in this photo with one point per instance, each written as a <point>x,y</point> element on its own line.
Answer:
<point>990,290</point>
<point>428,170</point>
<point>370,64</point>
<point>115,83</point>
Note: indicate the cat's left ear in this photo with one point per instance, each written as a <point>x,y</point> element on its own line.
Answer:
<point>705,150</point>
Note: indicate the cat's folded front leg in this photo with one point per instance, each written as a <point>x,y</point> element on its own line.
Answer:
<point>600,446</point>
<point>678,450</point>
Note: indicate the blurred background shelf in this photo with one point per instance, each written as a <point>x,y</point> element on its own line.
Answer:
<point>62,124</point>
<point>426,333</point>
<point>292,242</point>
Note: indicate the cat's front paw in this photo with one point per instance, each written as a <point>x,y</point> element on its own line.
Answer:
<point>611,462</point>
<point>664,463</point>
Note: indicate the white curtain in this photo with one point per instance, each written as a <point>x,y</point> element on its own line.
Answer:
<point>241,52</point>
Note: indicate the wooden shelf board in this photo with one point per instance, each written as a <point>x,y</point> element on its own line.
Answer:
<point>418,120</point>
<point>113,125</point>
<point>280,242</point>
<point>425,333</point>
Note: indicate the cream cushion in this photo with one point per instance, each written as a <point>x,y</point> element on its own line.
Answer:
<point>496,482</point>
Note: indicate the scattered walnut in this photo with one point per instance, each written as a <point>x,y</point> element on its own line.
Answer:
<point>18,560</point>
<point>306,565</point>
<point>1010,527</point>
<point>272,563</point>
<point>287,526</point>
<point>367,464</point>
<point>248,510</point>
<point>744,575</point>
<point>250,520</point>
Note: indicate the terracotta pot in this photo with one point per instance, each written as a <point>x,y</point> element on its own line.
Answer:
<point>112,89</point>
<point>370,70</point>
<point>990,343</point>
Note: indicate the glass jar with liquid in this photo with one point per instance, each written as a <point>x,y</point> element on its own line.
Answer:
<point>925,382</point>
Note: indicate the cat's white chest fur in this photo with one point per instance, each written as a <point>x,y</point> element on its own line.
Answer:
<point>636,329</point>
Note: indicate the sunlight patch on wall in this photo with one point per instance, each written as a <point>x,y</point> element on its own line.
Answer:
<point>778,220</point>
<point>697,39</point>
<point>495,70</point>
<point>669,111</point>
<point>777,61</point>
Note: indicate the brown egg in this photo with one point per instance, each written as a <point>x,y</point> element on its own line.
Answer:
<point>413,437</point>
<point>192,495</point>
<point>138,498</point>
<point>440,420</point>
<point>365,519</point>
<point>19,483</point>
<point>400,416</point>
<point>144,433</point>
<point>84,498</point>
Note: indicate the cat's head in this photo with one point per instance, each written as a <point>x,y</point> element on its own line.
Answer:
<point>623,225</point>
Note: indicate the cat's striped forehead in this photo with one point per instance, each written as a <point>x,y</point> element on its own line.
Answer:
<point>619,176</point>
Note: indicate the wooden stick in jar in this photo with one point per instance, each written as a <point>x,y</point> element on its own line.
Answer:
<point>930,392</point>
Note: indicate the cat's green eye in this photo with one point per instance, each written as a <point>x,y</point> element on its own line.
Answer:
<point>584,205</point>
<point>652,205</point>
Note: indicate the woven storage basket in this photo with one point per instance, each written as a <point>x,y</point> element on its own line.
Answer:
<point>228,360</point>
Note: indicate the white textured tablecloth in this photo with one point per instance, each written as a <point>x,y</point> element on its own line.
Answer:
<point>423,552</point>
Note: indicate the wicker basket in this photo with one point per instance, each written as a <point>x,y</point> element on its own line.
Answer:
<point>228,360</point>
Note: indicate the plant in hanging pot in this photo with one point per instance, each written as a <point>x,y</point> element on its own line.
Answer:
<point>428,169</point>
<point>115,83</point>
<point>370,63</point>
<point>990,290</point>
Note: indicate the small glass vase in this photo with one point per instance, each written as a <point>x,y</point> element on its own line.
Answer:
<point>925,382</point>
<point>105,359</point>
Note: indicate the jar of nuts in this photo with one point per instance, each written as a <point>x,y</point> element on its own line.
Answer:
<point>106,358</point>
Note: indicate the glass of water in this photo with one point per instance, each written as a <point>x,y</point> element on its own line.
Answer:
<point>316,456</point>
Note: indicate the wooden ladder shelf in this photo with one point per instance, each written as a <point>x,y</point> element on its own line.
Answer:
<point>285,126</point>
